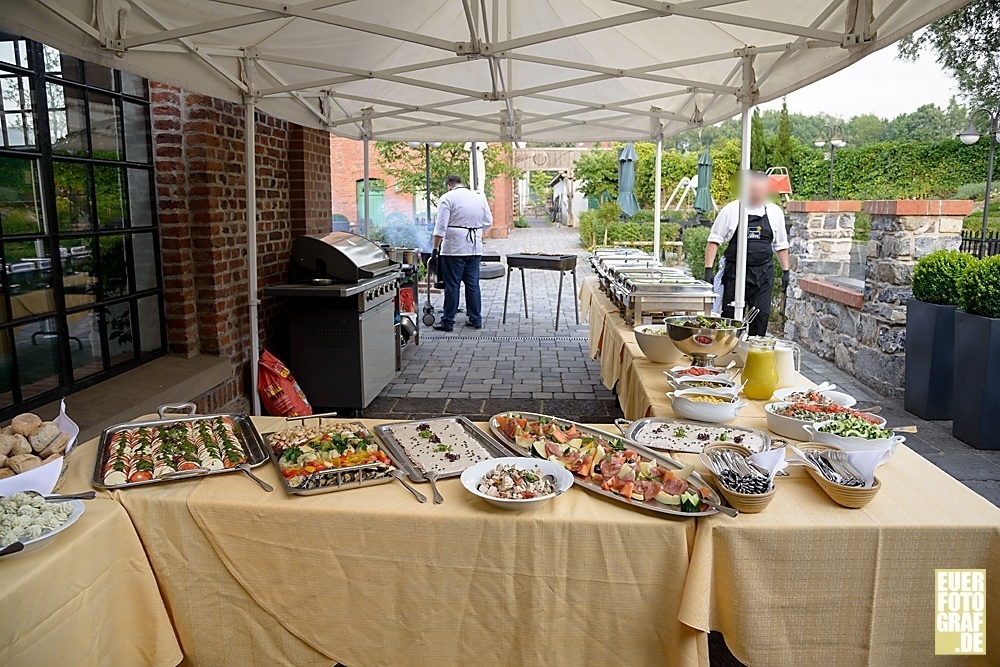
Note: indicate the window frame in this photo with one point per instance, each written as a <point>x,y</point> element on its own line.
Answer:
<point>42,160</point>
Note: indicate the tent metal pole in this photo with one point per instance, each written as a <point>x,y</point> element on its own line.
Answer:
<point>475,166</point>
<point>657,186</point>
<point>746,101</point>
<point>363,228</point>
<point>250,177</point>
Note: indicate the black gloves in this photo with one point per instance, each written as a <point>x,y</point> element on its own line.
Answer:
<point>709,275</point>
<point>784,281</point>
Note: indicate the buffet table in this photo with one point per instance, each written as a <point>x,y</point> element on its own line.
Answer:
<point>807,580</point>
<point>90,595</point>
<point>371,577</point>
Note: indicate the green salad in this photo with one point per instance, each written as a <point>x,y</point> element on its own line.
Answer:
<point>850,426</point>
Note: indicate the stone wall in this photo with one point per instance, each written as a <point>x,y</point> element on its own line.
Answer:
<point>201,200</point>
<point>863,332</point>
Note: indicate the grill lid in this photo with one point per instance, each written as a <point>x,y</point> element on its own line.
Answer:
<point>339,256</point>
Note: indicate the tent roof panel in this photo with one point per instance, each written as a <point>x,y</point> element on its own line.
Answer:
<point>572,70</point>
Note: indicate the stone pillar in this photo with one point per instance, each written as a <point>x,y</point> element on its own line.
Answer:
<point>902,231</point>
<point>820,239</point>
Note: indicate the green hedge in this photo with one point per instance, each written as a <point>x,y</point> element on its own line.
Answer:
<point>595,223</point>
<point>979,288</point>
<point>936,276</point>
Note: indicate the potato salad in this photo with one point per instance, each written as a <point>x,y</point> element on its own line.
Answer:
<point>512,483</point>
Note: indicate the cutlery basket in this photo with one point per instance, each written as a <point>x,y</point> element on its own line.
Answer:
<point>748,503</point>
<point>847,496</point>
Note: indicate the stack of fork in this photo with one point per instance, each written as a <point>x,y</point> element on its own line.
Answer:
<point>834,466</point>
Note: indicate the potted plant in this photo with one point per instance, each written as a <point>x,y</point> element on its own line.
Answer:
<point>930,333</point>
<point>976,406</point>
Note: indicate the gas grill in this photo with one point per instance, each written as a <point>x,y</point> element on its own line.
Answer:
<point>342,332</point>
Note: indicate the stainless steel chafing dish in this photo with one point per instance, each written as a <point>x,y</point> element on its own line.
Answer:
<point>606,266</point>
<point>642,298</point>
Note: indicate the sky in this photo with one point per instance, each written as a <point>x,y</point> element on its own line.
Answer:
<point>881,84</point>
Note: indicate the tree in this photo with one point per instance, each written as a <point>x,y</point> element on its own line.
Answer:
<point>966,43</point>
<point>783,146</point>
<point>596,173</point>
<point>538,186</point>
<point>758,143</point>
<point>406,165</point>
<point>865,129</point>
<point>927,124</point>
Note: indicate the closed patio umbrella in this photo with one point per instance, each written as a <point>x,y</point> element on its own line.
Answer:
<point>703,196</point>
<point>626,181</point>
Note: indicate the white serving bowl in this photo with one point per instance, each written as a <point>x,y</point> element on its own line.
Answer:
<point>474,475</point>
<point>723,373</point>
<point>713,413</point>
<point>793,428</point>
<point>722,386</point>
<point>838,397</point>
<point>658,348</point>
<point>45,539</point>
<point>851,443</point>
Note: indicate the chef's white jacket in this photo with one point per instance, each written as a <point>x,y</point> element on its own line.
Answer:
<point>728,221</point>
<point>458,211</point>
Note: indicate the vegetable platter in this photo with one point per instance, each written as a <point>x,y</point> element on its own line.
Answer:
<point>175,448</point>
<point>611,466</point>
<point>322,456</point>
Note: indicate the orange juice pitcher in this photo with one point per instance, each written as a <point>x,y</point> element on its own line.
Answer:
<point>761,370</point>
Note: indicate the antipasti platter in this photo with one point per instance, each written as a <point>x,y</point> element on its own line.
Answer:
<point>611,466</point>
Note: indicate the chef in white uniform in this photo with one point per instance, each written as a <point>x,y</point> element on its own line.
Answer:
<point>462,214</point>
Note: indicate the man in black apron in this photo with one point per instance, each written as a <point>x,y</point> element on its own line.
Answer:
<point>765,236</point>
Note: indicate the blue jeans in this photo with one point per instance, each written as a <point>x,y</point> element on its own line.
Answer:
<point>455,270</point>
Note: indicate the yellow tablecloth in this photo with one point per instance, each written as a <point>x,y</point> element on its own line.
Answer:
<point>807,581</point>
<point>371,577</point>
<point>87,598</point>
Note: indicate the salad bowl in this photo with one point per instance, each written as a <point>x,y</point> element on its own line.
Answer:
<point>655,343</point>
<point>473,475</point>
<point>790,427</point>
<point>850,443</point>
<point>686,407</point>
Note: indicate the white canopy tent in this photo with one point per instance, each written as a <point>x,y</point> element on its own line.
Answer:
<point>480,70</point>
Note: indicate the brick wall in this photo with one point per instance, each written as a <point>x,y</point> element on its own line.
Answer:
<point>347,167</point>
<point>201,198</point>
<point>502,207</point>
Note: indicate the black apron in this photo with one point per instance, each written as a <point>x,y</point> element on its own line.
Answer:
<point>760,272</point>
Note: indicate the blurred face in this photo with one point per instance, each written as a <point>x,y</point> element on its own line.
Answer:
<point>760,190</point>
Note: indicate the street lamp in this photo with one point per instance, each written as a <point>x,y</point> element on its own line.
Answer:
<point>835,137</point>
<point>427,169</point>
<point>971,136</point>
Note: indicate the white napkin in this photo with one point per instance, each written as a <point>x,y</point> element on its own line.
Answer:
<point>43,478</point>
<point>865,462</point>
<point>771,460</point>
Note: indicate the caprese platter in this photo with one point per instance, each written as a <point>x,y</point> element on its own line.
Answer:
<point>609,465</point>
<point>171,449</point>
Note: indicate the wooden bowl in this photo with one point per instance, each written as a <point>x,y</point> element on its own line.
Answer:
<point>846,496</point>
<point>749,503</point>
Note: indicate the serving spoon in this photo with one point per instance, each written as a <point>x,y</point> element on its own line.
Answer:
<point>432,477</point>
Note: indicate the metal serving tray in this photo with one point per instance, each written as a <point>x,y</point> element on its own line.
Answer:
<point>635,427</point>
<point>665,461</point>
<point>497,449</point>
<point>352,477</point>
<point>246,434</point>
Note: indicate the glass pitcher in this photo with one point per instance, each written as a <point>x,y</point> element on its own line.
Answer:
<point>761,370</point>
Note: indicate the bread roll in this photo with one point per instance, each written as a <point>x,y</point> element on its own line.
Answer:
<point>3,460</point>
<point>7,430</point>
<point>6,472</point>
<point>41,438</point>
<point>26,424</point>
<point>50,457</point>
<point>57,446</point>
<point>14,445</point>
<point>23,462</point>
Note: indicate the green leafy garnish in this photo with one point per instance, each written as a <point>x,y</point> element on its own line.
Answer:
<point>680,432</point>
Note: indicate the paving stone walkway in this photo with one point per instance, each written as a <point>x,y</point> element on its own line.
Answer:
<point>526,364</point>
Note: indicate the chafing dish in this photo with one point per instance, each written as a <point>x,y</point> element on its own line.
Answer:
<point>640,299</point>
<point>605,267</point>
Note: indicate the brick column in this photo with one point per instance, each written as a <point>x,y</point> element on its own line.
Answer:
<point>902,231</point>
<point>309,180</point>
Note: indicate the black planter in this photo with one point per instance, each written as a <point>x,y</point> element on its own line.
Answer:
<point>930,359</point>
<point>976,406</point>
